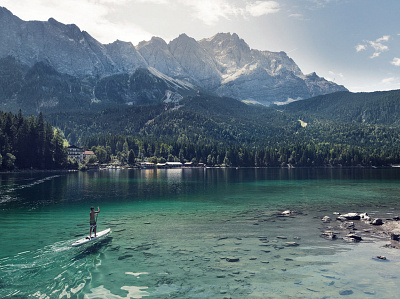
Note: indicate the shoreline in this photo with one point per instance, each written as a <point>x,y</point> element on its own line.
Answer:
<point>193,167</point>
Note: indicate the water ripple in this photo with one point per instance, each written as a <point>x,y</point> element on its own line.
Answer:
<point>57,270</point>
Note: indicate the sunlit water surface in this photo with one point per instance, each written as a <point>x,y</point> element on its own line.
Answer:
<point>194,233</point>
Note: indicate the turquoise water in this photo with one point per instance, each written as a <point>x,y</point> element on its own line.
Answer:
<point>194,233</point>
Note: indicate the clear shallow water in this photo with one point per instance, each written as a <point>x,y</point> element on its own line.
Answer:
<point>174,232</point>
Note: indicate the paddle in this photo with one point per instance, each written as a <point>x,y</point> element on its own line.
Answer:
<point>96,218</point>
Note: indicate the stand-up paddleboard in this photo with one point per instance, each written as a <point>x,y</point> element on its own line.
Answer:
<point>86,240</point>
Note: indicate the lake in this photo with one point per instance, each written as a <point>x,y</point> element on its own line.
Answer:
<point>195,233</point>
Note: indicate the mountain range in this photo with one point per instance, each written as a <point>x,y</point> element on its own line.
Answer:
<point>188,100</point>
<point>224,64</point>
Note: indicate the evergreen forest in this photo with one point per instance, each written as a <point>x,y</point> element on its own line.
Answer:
<point>30,143</point>
<point>223,131</point>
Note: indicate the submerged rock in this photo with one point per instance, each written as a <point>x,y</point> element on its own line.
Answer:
<point>365,217</point>
<point>326,219</point>
<point>346,292</point>
<point>347,225</point>
<point>122,257</point>
<point>291,244</point>
<point>353,238</point>
<point>351,216</point>
<point>329,235</point>
<point>395,235</point>
<point>252,258</point>
<point>288,213</point>
<point>377,221</point>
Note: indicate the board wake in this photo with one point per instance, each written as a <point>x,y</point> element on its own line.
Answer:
<point>86,239</point>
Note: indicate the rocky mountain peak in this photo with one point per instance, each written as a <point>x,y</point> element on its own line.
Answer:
<point>224,63</point>
<point>222,41</point>
<point>7,19</point>
<point>230,51</point>
<point>183,41</point>
<point>195,61</point>
<point>312,75</point>
<point>157,55</point>
<point>156,42</point>
<point>4,11</point>
<point>125,56</point>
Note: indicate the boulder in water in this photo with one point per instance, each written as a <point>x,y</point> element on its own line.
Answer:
<point>353,238</point>
<point>329,235</point>
<point>395,235</point>
<point>365,217</point>
<point>377,221</point>
<point>326,219</point>
<point>351,216</point>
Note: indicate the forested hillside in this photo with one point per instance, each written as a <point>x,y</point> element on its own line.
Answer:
<point>217,131</point>
<point>29,143</point>
<point>381,108</point>
<point>41,88</point>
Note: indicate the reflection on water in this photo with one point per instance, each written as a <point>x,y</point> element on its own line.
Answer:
<point>183,233</point>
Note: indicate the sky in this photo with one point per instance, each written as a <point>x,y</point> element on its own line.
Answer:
<point>355,43</point>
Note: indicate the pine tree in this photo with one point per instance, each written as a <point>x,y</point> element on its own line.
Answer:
<point>131,157</point>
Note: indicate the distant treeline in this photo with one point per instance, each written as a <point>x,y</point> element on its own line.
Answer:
<point>130,149</point>
<point>223,131</point>
<point>341,129</point>
<point>29,143</point>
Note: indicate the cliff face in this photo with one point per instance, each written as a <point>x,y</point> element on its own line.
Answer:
<point>64,47</point>
<point>223,64</point>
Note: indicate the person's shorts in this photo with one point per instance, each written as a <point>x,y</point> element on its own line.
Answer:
<point>93,225</point>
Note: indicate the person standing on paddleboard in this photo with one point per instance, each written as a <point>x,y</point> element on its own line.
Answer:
<point>93,224</point>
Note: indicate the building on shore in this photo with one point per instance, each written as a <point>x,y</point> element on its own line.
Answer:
<point>75,153</point>
<point>173,164</point>
<point>87,155</point>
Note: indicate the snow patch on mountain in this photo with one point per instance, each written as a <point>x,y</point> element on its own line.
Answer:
<point>176,83</point>
<point>288,101</point>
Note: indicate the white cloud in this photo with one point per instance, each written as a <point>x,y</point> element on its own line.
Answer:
<point>390,80</point>
<point>384,38</point>
<point>390,83</point>
<point>376,54</point>
<point>298,16</point>
<point>88,15</point>
<point>377,45</point>
<point>360,48</point>
<point>396,61</point>
<point>211,12</point>
<point>260,8</point>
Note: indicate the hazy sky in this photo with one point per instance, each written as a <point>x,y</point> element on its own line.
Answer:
<point>352,42</point>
